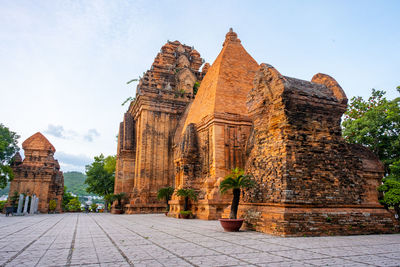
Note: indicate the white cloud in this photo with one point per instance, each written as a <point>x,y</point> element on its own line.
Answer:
<point>91,134</point>
<point>55,130</point>
<point>71,162</point>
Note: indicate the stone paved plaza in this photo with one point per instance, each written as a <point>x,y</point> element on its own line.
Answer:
<point>156,240</point>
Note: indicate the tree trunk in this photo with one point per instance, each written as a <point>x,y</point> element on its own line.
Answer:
<point>166,202</point>
<point>185,205</point>
<point>105,206</point>
<point>235,203</point>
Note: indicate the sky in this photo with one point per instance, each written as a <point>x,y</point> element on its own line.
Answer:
<point>64,65</point>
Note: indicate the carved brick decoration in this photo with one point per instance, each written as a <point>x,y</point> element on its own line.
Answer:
<point>218,122</point>
<point>309,180</point>
<point>144,160</point>
<point>284,131</point>
<point>39,173</point>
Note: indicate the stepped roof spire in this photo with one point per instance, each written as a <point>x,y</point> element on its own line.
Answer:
<point>225,87</point>
<point>38,142</point>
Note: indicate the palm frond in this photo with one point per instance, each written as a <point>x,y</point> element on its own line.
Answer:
<point>236,179</point>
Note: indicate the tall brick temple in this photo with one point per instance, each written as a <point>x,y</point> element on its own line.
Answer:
<point>284,131</point>
<point>39,173</point>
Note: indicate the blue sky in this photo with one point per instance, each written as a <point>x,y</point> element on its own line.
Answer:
<point>64,64</point>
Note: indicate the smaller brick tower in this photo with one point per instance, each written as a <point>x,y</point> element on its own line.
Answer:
<point>39,173</point>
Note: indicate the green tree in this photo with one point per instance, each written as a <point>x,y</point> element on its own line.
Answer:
<point>187,194</point>
<point>391,197</point>
<point>165,193</point>
<point>8,148</point>
<point>236,180</point>
<point>66,199</point>
<point>100,176</point>
<point>74,204</point>
<point>375,123</point>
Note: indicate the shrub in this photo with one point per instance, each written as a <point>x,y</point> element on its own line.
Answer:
<point>74,204</point>
<point>52,205</point>
<point>2,204</point>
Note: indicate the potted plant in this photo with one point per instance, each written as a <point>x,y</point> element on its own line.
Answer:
<point>165,193</point>
<point>52,206</point>
<point>187,194</point>
<point>236,181</point>
<point>118,197</point>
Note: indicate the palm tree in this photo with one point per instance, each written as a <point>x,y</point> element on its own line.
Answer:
<point>165,193</point>
<point>187,194</point>
<point>119,197</point>
<point>236,180</point>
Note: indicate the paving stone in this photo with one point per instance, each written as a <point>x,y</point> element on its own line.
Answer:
<point>109,240</point>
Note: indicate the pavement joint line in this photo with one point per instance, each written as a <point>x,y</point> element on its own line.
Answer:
<point>94,246</point>
<point>23,228</point>
<point>113,242</point>
<point>289,247</point>
<point>205,247</point>
<point>71,249</point>
<point>196,245</point>
<point>27,246</point>
<point>173,253</point>
<point>48,248</point>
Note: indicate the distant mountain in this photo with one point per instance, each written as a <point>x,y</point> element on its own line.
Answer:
<point>75,183</point>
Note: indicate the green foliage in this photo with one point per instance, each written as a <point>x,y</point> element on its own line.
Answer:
<point>52,205</point>
<point>129,99</point>
<point>15,198</point>
<point>375,123</point>
<point>2,204</point>
<point>166,194</point>
<point>101,175</point>
<point>110,163</point>
<point>235,180</point>
<point>66,199</point>
<point>185,212</point>
<point>394,169</point>
<point>75,182</point>
<point>187,193</point>
<point>5,190</point>
<point>8,147</point>
<point>119,197</point>
<point>107,200</point>
<point>196,87</point>
<point>93,207</point>
<point>74,204</point>
<point>391,190</point>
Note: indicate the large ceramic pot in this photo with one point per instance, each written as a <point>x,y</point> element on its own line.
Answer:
<point>231,225</point>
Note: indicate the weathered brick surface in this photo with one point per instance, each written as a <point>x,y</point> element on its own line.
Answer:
<point>39,173</point>
<point>313,181</point>
<point>144,158</point>
<point>284,131</point>
<point>218,123</point>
